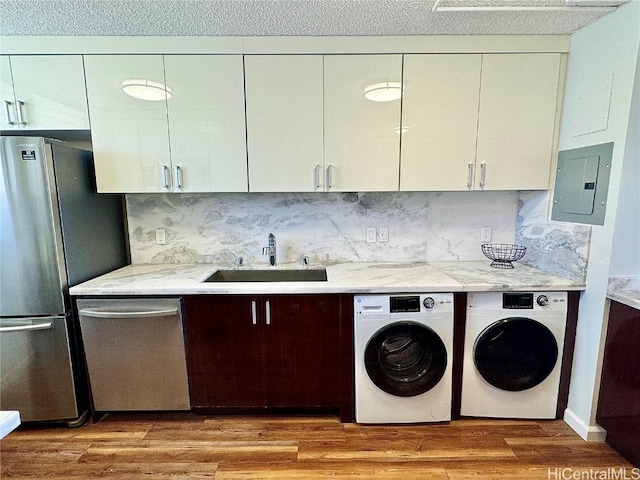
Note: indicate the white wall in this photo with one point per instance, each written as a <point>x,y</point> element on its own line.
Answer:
<point>625,260</point>
<point>600,78</point>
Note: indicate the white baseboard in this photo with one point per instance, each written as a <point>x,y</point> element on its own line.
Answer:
<point>590,433</point>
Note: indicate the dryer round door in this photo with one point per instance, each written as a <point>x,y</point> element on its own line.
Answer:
<point>405,359</point>
<point>515,353</point>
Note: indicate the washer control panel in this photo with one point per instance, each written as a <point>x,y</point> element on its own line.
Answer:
<point>370,305</point>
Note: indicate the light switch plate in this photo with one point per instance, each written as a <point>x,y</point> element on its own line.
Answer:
<point>371,234</point>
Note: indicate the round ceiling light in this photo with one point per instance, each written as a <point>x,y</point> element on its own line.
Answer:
<point>383,92</point>
<point>146,89</point>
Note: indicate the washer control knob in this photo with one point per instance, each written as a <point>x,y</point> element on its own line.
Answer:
<point>428,302</point>
<point>542,300</point>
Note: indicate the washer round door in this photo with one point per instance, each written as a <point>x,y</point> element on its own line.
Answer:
<point>515,353</point>
<point>405,359</point>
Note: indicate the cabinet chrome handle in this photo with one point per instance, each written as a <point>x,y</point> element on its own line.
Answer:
<point>254,313</point>
<point>27,328</point>
<point>177,176</point>
<point>165,176</point>
<point>267,307</point>
<point>87,312</point>
<point>7,113</point>
<point>470,175</point>
<point>329,177</point>
<point>483,172</point>
<point>316,176</point>
<point>19,105</point>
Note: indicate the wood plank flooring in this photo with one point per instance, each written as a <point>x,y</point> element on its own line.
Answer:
<point>188,446</point>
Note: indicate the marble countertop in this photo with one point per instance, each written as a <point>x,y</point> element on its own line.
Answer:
<point>161,279</point>
<point>625,290</point>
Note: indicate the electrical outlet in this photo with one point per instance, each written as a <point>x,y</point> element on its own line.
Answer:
<point>383,234</point>
<point>485,235</point>
<point>161,236</point>
<point>371,234</point>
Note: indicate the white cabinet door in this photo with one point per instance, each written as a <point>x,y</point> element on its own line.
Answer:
<point>284,122</point>
<point>440,121</point>
<point>518,102</point>
<point>130,136</point>
<point>362,141</point>
<point>206,123</point>
<point>49,92</point>
<point>9,118</point>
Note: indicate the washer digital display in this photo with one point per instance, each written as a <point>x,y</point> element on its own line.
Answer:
<point>405,304</point>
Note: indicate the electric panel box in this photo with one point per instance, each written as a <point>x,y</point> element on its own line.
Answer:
<point>582,183</point>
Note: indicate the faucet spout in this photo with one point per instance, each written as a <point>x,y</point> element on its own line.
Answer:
<point>271,250</point>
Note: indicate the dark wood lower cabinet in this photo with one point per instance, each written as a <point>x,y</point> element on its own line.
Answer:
<point>619,401</point>
<point>270,351</point>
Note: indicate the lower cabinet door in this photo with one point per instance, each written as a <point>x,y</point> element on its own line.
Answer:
<point>302,350</point>
<point>224,351</point>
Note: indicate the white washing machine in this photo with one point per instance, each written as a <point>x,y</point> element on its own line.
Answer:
<point>513,354</point>
<point>403,355</point>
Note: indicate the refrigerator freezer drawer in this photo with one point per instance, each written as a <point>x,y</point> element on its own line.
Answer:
<point>35,369</point>
<point>135,353</point>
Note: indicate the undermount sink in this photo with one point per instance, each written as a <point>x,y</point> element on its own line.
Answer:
<point>312,275</point>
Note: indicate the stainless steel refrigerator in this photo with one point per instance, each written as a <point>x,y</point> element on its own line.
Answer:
<point>56,232</point>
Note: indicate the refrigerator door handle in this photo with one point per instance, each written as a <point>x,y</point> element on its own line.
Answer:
<point>25,328</point>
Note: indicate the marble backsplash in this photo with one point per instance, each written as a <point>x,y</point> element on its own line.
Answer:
<point>560,248</point>
<point>329,228</point>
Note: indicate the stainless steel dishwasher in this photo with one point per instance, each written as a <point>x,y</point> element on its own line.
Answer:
<point>135,353</point>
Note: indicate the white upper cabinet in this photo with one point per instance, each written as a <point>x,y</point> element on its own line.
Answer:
<point>362,140</point>
<point>206,123</point>
<point>130,135</point>
<point>43,92</point>
<point>479,122</point>
<point>284,123</point>
<point>187,138</point>
<point>516,126</point>
<point>440,121</point>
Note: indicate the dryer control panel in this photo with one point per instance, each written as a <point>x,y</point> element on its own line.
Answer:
<point>509,301</point>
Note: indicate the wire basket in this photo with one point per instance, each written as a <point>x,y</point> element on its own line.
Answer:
<point>503,254</point>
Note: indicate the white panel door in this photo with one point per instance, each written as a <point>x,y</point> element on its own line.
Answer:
<point>284,122</point>
<point>518,101</point>
<point>206,123</point>
<point>51,91</point>
<point>440,121</point>
<point>130,136</point>
<point>362,141</point>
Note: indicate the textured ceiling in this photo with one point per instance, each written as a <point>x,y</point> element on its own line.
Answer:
<point>283,18</point>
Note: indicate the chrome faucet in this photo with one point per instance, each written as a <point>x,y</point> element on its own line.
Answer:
<point>271,250</point>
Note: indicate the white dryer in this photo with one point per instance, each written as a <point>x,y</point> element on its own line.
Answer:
<point>513,354</point>
<point>403,355</point>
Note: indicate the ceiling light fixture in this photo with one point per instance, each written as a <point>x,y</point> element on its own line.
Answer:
<point>146,89</point>
<point>383,92</point>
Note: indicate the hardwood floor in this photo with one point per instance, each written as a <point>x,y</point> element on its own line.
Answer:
<point>177,446</point>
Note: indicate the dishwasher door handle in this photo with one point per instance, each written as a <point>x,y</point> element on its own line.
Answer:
<point>135,314</point>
